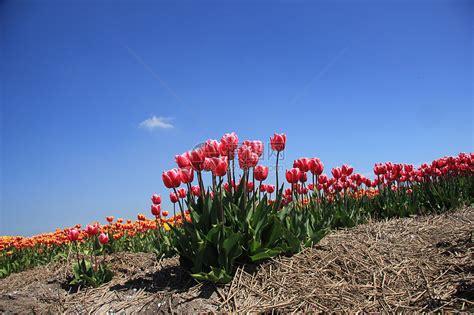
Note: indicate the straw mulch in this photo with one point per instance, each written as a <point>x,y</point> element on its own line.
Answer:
<point>415,264</point>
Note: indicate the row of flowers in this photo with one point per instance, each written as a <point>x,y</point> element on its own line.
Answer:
<point>240,207</point>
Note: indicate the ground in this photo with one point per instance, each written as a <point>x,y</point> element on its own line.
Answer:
<point>412,264</point>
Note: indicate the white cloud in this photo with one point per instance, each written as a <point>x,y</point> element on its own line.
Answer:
<point>156,122</point>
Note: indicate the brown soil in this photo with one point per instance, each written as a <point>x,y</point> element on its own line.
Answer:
<point>415,264</point>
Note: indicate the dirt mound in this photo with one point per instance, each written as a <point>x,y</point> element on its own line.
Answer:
<point>411,264</point>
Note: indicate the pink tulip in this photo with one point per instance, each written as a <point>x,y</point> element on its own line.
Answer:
<point>182,160</point>
<point>278,142</point>
<point>171,178</point>
<point>173,197</point>
<point>293,175</point>
<point>182,193</point>
<point>270,188</point>
<point>260,172</point>
<point>322,179</point>
<point>196,191</point>
<point>155,210</point>
<point>347,169</point>
<point>228,145</point>
<point>156,199</point>
<point>186,174</point>
<point>316,166</point>
<point>247,158</point>
<point>104,238</point>
<point>197,158</point>
<point>73,235</point>
<point>219,166</point>
<point>257,147</point>
<point>92,229</point>
<point>336,172</point>
<point>302,164</point>
<point>303,177</point>
<point>211,149</point>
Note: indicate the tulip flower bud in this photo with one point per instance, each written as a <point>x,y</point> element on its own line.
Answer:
<point>171,178</point>
<point>182,193</point>
<point>196,191</point>
<point>302,164</point>
<point>336,172</point>
<point>278,142</point>
<point>211,149</point>
<point>155,210</point>
<point>322,179</point>
<point>92,229</point>
<point>173,197</point>
<point>260,172</point>
<point>73,235</point>
<point>347,170</point>
<point>182,160</point>
<point>186,174</point>
<point>270,189</point>
<point>316,166</point>
<point>228,145</point>
<point>197,158</point>
<point>165,213</point>
<point>156,199</point>
<point>103,238</point>
<point>293,175</point>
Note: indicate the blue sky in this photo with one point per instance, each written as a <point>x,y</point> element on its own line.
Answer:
<point>347,81</point>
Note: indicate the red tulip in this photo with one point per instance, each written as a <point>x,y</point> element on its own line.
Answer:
<point>293,175</point>
<point>103,238</point>
<point>263,187</point>
<point>182,193</point>
<point>302,164</point>
<point>278,142</point>
<point>219,166</point>
<point>186,175</point>
<point>165,213</point>
<point>316,166</point>
<point>196,191</point>
<point>257,147</point>
<point>92,229</point>
<point>171,178</point>
<point>73,235</point>
<point>173,197</point>
<point>226,187</point>
<point>303,177</point>
<point>141,217</point>
<point>260,172</point>
<point>155,210</point>
<point>250,186</point>
<point>322,179</point>
<point>380,169</point>
<point>197,158</point>
<point>247,158</point>
<point>336,172</point>
<point>211,149</point>
<point>228,145</point>
<point>156,199</point>
<point>347,169</point>
<point>270,188</point>
<point>182,160</point>
<point>207,166</point>
<point>338,186</point>
<point>109,219</point>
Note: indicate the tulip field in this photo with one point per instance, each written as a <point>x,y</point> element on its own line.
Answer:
<point>237,218</point>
